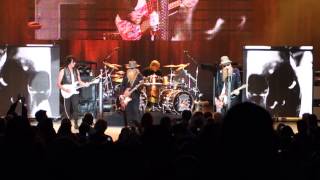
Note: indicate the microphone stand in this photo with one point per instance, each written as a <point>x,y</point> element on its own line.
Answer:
<point>197,71</point>
<point>110,55</point>
<point>214,69</point>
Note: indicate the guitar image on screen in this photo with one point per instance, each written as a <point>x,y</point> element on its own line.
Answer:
<point>134,31</point>
<point>74,88</point>
<point>222,101</point>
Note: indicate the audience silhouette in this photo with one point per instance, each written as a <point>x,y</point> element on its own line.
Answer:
<point>241,145</point>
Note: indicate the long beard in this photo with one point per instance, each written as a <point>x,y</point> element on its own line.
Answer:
<point>132,75</point>
<point>226,72</point>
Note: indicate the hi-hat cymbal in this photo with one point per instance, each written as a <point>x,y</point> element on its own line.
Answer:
<point>170,66</point>
<point>182,66</point>
<point>116,76</point>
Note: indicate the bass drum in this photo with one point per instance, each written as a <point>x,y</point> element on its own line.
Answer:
<point>176,100</point>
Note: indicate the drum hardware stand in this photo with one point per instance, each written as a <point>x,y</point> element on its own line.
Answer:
<point>195,89</point>
<point>108,90</point>
<point>100,95</point>
<point>171,76</point>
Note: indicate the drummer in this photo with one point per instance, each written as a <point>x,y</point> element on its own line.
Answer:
<point>154,68</point>
<point>153,75</point>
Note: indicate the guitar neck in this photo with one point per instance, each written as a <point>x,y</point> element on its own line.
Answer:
<point>145,25</point>
<point>133,89</point>
<point>238,89</point>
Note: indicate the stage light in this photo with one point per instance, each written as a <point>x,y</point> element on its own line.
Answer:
<point>306,47</point>
<point>257,47</point>
<point>39,45</point>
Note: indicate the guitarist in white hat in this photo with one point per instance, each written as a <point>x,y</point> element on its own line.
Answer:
<point>228,86</point>
<point>130,92</point>
<point>67,78</point>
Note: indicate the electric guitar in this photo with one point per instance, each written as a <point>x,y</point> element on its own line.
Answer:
<point>223,100</point>
<point>74,88</point>
<point>135,31</point>
<point>124,100</point>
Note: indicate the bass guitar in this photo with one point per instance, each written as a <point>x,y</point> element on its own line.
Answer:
<point>125,99</point>
<point>74,88</point>
<point>222,101</point>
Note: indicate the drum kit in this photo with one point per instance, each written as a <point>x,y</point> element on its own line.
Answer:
<point>174,92</point>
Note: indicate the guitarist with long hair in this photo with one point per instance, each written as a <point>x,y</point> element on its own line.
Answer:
<point>69,76</point>
<point>130,92</point>
<point>228,86</point>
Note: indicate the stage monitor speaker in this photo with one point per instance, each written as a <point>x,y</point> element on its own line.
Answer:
<point>88,93</point>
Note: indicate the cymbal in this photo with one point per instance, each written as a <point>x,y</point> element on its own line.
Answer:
<point>113,66</point>
<point>170,66</point>
<point>182,66</point>
<point>117,65</point>
<point>172,74</point>
<point>116,76</point>
<point>120,72</point>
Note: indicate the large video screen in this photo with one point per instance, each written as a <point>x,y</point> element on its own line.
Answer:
<point>280,79</point>
<point>170,20</point>
<point>30,71</point>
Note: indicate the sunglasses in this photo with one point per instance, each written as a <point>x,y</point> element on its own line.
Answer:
<point>225,65</point>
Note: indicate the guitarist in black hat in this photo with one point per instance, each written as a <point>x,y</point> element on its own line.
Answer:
<point>228,86</point>
<point>130,92</point>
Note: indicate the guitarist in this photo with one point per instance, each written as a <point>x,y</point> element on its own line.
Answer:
<point>227,81</point>
<point>131,80</point>
<point>70,75</point>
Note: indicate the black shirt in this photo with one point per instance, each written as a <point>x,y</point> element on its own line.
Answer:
<point>147,72</point>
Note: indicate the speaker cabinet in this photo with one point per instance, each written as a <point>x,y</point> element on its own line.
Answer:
<point>88,97</point>
<point>88,93</point>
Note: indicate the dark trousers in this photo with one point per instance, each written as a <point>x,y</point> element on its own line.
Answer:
<point>132,111</point>
<point>70,107</point>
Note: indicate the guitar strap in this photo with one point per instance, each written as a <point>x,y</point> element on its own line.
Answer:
<point>229,79</point>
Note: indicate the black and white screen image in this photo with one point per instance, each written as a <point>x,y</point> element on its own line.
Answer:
<point>280,79</point>
<point>30,71</point>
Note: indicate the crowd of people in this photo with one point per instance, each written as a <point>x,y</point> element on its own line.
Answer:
<point>240,144</point>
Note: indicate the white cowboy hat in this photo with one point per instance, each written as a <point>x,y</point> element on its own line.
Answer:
<point>132,64</point>
<point>225,60</point>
